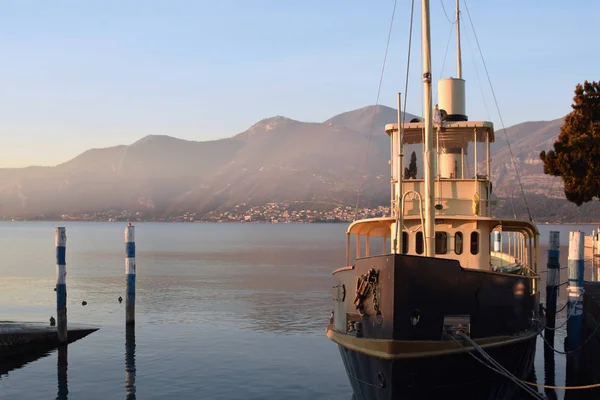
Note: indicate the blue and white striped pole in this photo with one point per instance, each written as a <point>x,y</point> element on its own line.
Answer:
<point>61,284</point>
<point>497,241</point>
<point>552,278</point>
<point>575,290</point>
<point>130,273</point>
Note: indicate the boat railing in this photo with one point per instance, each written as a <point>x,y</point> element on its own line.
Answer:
<point>516,250</point>
<point>449,206</point>
<point>469,197</point>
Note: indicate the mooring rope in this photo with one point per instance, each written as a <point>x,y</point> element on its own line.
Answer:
<point>498,368</point>
<point>492,364</point>
<point>571,351</point>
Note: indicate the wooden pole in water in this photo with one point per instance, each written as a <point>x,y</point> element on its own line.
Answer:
<point>130,273</point>
<point>575,289</point>
<point>552,278</point>
<point>61,284</point>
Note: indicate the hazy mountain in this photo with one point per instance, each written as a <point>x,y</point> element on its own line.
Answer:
<point>527,140</point>
<point>277,159</point>
<point>361,120</point>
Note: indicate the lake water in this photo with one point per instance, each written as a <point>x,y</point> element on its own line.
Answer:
<point>223,311</point>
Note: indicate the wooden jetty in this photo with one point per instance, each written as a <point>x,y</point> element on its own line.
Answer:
<point>18,339</point>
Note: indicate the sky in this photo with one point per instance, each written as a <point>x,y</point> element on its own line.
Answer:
<point>90,74</point>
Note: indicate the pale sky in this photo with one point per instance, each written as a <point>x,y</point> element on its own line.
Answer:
<point>88,74</point>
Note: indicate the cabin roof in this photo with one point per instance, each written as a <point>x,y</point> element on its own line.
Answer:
<point>381,226</point>
<point>451,133</point>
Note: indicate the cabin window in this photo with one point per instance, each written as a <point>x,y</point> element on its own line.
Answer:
<point>441,242</point>
<point>458,242</point>
<point>419,243</point>
<point>404,242</point>
<point>474,242</point>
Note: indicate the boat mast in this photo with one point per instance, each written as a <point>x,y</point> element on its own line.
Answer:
<point>458,56</point>
<point>428,142</point>
<point>399,195</point>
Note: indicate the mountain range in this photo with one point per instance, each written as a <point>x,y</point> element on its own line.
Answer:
<point>276,160</point>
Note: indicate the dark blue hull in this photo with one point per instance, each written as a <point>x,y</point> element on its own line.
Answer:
<point>407,324</point>
<point>445,377</point>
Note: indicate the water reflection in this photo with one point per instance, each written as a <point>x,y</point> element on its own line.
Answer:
<point>549,367</point>
<point>277,291</point>
<point>11,363</point>
<point>61,373</point>
<point>130,362</point>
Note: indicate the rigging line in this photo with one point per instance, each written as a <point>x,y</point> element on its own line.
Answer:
<point>511,193</point>
<point>362,179</point>
<point>444,62</point>
<point>499,114</point>
<point>487,110</point>
<point>412,10</point>
<point>446,14</point>
<point>401,127</point>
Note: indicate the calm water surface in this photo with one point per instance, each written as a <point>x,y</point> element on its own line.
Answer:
<point>223,311</point>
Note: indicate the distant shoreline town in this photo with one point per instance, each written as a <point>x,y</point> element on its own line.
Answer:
<point>304,212</point>
<point>284,212</point>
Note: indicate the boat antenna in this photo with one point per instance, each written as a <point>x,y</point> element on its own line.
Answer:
<point>362,175</point>
<point>428,125</point>
<point>458,54</point>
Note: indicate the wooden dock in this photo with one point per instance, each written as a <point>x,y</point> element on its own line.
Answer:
<point>18,339</point>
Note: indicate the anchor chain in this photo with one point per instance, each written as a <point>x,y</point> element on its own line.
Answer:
<point>364,284</point>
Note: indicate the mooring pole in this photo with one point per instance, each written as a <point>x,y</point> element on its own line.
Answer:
<point>575,290</point>
<point>598,241</point>
<point>497,236</point>
<point>595,259</point>
<point>130,273</point>
<point>61,284</point>
<point>552,278</point>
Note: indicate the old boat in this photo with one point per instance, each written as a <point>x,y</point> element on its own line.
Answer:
<point>417,279</point>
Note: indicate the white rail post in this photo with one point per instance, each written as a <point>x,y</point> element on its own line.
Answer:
<point>575,289</point>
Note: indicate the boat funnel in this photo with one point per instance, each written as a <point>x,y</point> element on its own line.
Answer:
<point>451,94</point>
